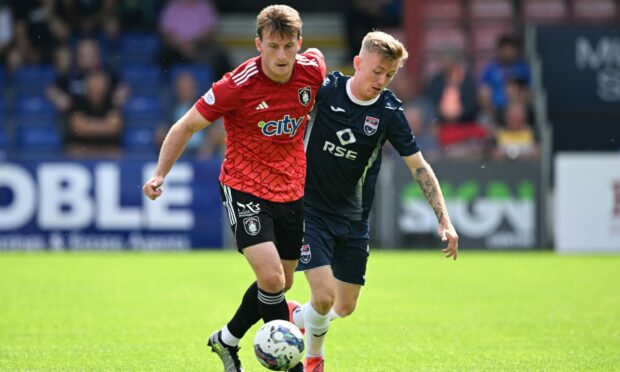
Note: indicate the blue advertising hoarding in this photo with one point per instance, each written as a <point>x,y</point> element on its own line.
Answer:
<point>98,205</point>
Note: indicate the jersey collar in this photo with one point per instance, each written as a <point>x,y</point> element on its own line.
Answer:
<point>358,101</point>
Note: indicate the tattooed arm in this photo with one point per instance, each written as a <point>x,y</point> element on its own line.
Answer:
<point>424,175</point>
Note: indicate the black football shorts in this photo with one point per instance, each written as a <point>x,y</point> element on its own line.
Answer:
<point>254,220</point>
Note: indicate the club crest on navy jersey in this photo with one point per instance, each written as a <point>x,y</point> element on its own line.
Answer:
<point>304,96</point>
<point>370,125</point>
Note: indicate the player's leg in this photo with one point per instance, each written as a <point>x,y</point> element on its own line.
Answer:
<point>289,229</point>
<point>265,261</point>
<point>350,261</point>
<point>253,227</point>
<point>347,295</point>
<point>316,256</point>
<point>316,320</point>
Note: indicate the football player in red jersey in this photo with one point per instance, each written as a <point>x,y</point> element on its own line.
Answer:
<point>265,104</point>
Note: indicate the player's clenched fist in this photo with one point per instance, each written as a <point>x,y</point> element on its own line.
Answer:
<point>152,188</point>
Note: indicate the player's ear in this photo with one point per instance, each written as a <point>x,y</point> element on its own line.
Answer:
<point>356,62</point>
<point>299,42</point>
<point>259,44</point>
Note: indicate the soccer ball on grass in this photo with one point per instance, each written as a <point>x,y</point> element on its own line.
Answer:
<point>279,345</point>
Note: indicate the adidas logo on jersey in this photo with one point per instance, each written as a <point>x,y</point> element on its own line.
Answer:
<point>263,105</point>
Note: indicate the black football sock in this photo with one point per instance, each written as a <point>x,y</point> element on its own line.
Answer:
<point>247,314</point>
<point>272,305</point>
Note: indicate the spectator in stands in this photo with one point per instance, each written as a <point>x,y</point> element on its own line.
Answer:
<point>202,144</point>
<point>188,29</point>
<point>70,86</point>
<point>86,17</point>
<point>453,93</point>
<point>507,66</point>
<point>453,90</point>
<point>95,125</point>
<point>6,29</point>
<point>38,30</point>
<point>517,139</point>
<point>136,15</point>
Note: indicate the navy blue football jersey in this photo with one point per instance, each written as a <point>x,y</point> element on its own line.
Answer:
<point>343,147</point>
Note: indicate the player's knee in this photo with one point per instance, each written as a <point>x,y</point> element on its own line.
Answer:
<point>272,282</point>
<point>288,283</point>
<point>322,301</point>
<point>345,309</point>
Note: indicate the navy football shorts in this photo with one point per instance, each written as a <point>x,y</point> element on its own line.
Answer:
<point>254,220</point>
<point>335,241</point>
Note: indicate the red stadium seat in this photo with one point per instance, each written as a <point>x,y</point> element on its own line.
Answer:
<point>485,36</point>
<point>544,11</point>
<point>594,10</point>
<point>496,10</point>
<point>436,39</point>
<point>443,10</point>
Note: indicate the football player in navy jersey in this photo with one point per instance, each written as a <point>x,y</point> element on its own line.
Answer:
<point>355,116</point>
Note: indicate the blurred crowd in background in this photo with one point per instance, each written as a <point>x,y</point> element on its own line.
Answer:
<point>133,67</point>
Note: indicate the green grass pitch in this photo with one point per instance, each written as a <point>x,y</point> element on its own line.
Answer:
<point>418,311</point>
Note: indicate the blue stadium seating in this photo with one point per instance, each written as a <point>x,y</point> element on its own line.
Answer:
<point>202,73</point>
<point>147,107</point>
<point>142,78</point>
<point>41,138</point>
<point>138,47</point>
<point>33,79</point>
<point>4,139</point>
<point>33,105</point>
<point>138,139</point>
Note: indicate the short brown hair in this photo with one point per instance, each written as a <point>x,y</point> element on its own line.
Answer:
<point>280,19</point>
<point>386,45</point>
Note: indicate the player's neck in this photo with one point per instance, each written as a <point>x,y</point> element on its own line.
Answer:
<point>280,79</point>
<point>352,88</point>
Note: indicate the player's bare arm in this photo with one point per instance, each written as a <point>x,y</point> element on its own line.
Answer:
<point>174,143</point>
<point>425,177</point>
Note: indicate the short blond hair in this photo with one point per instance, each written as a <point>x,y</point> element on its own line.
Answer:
<point>279,19</point>
<point>385,45</point>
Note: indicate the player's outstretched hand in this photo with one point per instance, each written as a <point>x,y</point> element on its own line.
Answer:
<point>448,234</point>
<point>152,188</point>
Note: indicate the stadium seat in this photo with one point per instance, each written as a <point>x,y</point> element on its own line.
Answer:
<point>142,78</point>
<point>138,139</point>
<point>43,138</point>
<point>484,36</point>
<point>491,10</point>
<point>4,138</point>
<point>33,105</point>
<point>595,11</point>
<point>544,11</point>
<point>138,47</point>
<point>202,73</point>
<point>33,79</point>
<point>437,38</point>
<point>143,107</point>
<point>443,10</point>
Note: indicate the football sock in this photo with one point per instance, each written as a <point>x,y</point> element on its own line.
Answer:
<point>228,338</point>
<point>246,316</point>
<point>298,315</point>
<point>332,314</point>
<point>272,305</point>
<point>316,329</point>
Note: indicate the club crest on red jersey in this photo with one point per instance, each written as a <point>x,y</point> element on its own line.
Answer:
<point>251,225</point>
<point>304,95</point>
<point>306,255</point>
<point>370,125</point>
